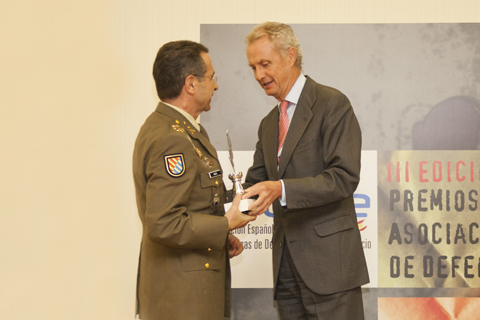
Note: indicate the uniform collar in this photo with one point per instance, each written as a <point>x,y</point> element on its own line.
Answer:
<point>187,115</point>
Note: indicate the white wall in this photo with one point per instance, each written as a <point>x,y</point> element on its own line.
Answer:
<point>75,79</point>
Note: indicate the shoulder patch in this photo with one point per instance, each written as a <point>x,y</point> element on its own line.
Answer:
<point>175,165</point>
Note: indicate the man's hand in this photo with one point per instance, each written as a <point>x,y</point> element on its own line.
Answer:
<point>267,192</point>
<point>235,247</point>
<point>235,218</point>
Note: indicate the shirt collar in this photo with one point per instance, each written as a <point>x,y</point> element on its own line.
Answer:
<point>296,90</point>
<point>186,115</point>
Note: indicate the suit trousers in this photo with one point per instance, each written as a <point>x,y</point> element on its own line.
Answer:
<point>295,301</point>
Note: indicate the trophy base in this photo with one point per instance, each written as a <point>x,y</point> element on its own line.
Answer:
<point>243,206</point>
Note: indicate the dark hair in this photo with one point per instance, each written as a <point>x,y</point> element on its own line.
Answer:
<point>175,61</point>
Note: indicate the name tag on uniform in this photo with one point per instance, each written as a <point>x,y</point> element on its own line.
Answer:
<point>215,174</point>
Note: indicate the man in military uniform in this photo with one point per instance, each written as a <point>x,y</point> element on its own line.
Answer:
<point>184,271</point>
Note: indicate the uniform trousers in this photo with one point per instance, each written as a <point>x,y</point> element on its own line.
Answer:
<point>295,301</point>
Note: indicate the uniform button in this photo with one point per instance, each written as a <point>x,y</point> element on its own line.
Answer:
<point>207,265</point>
<point>216,182</point>
<point>209,249</point>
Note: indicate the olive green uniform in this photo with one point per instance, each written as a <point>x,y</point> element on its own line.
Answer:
<point>184,270</point>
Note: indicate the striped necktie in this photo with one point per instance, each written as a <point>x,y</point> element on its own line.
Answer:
<point>282,124</point>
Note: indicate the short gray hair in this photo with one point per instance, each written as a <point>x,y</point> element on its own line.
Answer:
<point>281,35</point>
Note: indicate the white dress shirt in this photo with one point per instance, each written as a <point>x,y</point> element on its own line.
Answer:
<point>292,97</point>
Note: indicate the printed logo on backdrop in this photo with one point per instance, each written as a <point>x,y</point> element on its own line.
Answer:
<point>364,203</point>
<point>429,220</point>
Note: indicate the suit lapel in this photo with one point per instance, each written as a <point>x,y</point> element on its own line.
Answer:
<point>270,142</point>
<point>301,118</point>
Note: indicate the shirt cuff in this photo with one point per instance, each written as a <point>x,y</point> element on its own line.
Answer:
<point>283,199</point>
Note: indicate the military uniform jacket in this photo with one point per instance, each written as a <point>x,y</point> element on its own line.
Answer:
<point>184,270</point>
<point>320,167</point>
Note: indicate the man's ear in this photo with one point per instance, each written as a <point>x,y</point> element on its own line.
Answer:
<point>191,84</point>
<point>292,55</point>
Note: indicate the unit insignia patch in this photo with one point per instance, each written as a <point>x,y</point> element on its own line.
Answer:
<point>175,165</point>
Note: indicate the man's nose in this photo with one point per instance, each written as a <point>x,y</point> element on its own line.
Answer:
<point>259,74</point>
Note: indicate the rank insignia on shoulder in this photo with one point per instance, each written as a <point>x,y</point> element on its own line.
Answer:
<point>177,128</point>
<point>175,165</point>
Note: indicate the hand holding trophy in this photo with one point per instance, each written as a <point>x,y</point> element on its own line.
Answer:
<point>236,178</point>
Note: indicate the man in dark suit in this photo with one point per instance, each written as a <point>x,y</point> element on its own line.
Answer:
<point>184,271</point>
<point>307,163</point>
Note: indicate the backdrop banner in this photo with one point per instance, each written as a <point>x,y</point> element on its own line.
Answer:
<point>415,89</point>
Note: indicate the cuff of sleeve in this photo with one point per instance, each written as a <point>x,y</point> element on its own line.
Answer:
<point>283,199</point>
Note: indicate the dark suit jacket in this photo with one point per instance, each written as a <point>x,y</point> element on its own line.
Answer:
<point>184,270</point>
<point>320,167</point>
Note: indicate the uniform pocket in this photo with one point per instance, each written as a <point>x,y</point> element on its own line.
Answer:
<point>211,178</point>
<point>195,260</point>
